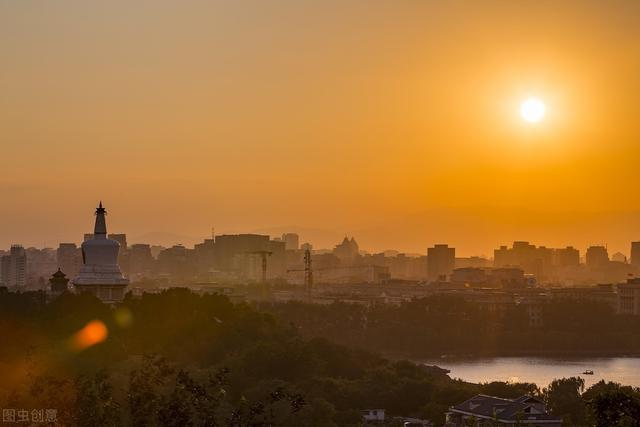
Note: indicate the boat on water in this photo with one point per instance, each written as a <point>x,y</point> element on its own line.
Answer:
<point>588,372</point>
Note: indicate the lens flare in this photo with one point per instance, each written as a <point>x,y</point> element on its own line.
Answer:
<point>123,317</point>
<point>91,334</point>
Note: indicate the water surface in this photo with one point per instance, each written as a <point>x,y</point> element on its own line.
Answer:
<point>541,370</point>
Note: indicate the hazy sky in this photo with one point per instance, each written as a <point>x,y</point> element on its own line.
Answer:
<point>396,121</point>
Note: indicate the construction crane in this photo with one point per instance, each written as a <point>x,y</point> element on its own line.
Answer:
<point>308,273</point>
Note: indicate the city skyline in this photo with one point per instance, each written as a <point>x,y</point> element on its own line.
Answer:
<point>328,240</point>
<point>396,122</point>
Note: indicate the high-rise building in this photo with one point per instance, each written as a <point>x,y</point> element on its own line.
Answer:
<point>140,260</point>
<point>14,267</point>
<point>69,258</point>
<point>533,260</point>
<point>229,248</point>
<point>291,241</point>
<point>177,264</point>
<point>40,264</point>
<point>635,254</point>
<point>205,256</point>
<point>100,274</point>
<point>242,253</point>
<point>441,260</point>
<point>566,257</point>
<point>597,257</point>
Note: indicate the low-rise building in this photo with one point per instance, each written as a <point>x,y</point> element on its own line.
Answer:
<point>352,274</point>
<point>629,297</point>
<point>604,293</point>
<point>481,410</point>
<point>373,416</point>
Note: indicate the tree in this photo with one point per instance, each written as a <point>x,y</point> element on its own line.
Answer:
<point>611,404</point>
<point>55,393</point>
<point>95,403</point>
<point>145,396</point>
<point>563,400</point>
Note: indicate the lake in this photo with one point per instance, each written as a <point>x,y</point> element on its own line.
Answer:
<point>540,370</point>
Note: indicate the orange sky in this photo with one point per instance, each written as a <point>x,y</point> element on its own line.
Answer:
<point>396,121</point>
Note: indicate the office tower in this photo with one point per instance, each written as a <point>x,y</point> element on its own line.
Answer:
<point>597,257</point>
<point>243,253</point>
<point>533,260</point>
<point>441,260</point>
<point>566,257</point>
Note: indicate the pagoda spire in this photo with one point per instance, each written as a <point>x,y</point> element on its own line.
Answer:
<point>100,230</point>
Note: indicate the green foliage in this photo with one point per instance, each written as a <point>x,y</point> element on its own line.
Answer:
<point>613,405</point>
<point>95,403</point>
<point>146,386</point>
<point>437,325</point>
<point>563,398</point>
<point>189,360</point>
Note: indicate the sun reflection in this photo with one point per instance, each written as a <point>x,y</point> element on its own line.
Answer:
<point>513,380</point>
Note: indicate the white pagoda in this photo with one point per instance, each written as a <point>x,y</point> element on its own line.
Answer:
<point>100,274</point>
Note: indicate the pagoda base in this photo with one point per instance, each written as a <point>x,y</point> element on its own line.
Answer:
<point>107,293</point>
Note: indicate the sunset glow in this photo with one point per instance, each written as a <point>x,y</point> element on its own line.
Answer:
<point>387,118</point>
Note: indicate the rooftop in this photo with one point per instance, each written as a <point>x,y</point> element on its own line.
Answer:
<point>524,408</point>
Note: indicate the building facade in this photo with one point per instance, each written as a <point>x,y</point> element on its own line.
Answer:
<point>13,270</point>
<point>635,255</point>
<point>441,260</point>
<point>629,297</point>
<point>69,258</point>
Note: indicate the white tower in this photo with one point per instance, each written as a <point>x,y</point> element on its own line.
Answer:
<point>100,273</point>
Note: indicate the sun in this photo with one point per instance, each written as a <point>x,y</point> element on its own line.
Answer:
<point>532,110</point>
